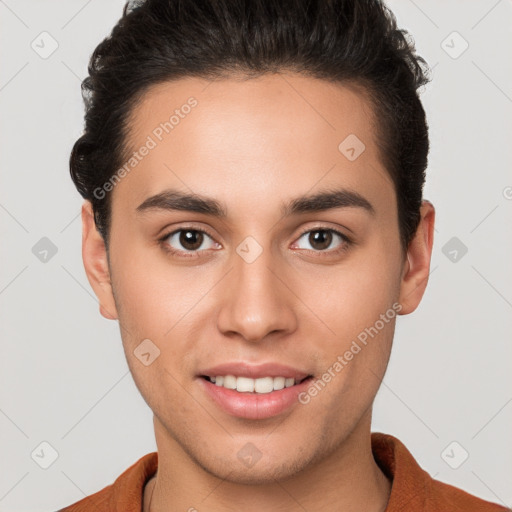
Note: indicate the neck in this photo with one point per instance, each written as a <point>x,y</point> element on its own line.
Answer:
<point>348,479</point>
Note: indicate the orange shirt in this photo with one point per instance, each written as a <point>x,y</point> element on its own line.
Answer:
<point>412,490</point>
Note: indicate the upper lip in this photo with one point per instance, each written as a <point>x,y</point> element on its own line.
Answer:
<point>255,371</point>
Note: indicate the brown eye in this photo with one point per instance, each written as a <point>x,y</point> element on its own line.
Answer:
<point>320,240</point>
<point>191,240</point>
<point>187,240</point>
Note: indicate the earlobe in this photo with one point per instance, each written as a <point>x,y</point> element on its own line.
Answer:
<point>417,265</point>
<point>95,260</point>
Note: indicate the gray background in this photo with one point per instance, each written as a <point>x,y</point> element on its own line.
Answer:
<point>63,376</point>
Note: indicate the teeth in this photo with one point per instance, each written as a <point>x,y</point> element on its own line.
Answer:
<point>279,382</point>
<point>248,385</point>
<point>230,382</point>
<point>263,385</point>
<point>244,384</point>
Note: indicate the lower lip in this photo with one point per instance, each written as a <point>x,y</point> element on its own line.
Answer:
<point>254,406</point>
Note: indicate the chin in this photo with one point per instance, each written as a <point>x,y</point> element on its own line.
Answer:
<point>260,474</point>
<point>248,465</point>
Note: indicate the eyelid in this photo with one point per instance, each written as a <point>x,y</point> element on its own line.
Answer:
<point>167,234</point>
<point>346,244</point>
<point>325,228</point>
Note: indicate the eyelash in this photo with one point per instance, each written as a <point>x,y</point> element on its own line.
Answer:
<point>346,242</point>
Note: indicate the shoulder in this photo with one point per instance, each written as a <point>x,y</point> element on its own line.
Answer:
<point>413,489</point>
<point>125,494</point>
<point>442,496</point>
<point>99,501</point>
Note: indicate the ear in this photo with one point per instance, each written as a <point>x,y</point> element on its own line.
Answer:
<point>417,266</point>
<point>94,255</point>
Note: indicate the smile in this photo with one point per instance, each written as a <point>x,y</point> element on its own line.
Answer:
<point>247,385</point>
<point>253,399</point>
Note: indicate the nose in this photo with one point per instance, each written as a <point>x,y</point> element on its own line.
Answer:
<point>256,300</point>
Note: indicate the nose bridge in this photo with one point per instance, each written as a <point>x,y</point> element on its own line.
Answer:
<point>256,302</point>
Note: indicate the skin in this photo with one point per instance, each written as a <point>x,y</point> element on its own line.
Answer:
<point>253,145</point>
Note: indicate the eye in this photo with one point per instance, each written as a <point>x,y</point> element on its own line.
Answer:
<point>187,240</point>
<point>322,239</point>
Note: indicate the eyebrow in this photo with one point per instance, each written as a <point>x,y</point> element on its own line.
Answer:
<point>176,200</point>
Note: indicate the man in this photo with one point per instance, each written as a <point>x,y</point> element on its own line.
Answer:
<point>253,217</point>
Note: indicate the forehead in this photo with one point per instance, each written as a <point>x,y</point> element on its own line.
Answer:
<point>275,132</point>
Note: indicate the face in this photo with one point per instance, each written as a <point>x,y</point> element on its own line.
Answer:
<point>285,264</point>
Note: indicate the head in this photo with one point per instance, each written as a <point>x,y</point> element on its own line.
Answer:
<point>253,176</point>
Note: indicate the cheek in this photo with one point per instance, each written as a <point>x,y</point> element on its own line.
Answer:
<point>154,295</point>
<point>353,361</point>
<point>357,303</point>
<point>161,303</point>
<point>351,296</point>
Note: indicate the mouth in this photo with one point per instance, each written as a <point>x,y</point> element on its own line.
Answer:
<point>254,392</point>
<point>260,385</point>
